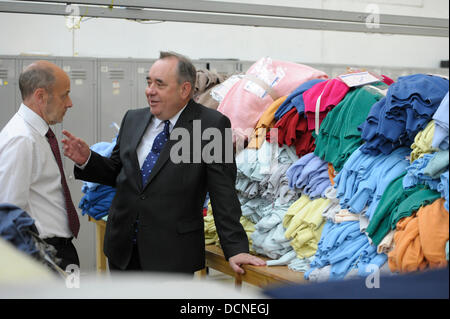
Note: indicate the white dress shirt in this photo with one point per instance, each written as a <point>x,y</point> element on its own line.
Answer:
<point>155,127</point>
<point>29,174</point>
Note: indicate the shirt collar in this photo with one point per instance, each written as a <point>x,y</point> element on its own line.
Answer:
<point>173,120</point>
<point>33,119</point>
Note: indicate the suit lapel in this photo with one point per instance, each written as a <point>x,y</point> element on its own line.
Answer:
<point>184,121</point>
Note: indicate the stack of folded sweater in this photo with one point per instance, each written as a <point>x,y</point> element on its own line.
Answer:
<point>295,99</point>
<point>407,108</point>
<point>360,183</point>
<point>420,239</point>
<point>303,222</point>
<point>422,142</point>
<point>342,250</point>
<point>322,98</point>
<point>265,122</point>
<point>440,138</point>
<point>338,135</point>
<point>395,204</point>
<point>309,174</point>
<point>268,238</point>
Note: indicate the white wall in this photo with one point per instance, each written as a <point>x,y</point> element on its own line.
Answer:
<point>24,33</point>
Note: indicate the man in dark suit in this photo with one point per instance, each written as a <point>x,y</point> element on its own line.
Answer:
<point>155,221</point>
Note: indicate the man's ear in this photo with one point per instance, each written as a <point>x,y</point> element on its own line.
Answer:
<point>186,89</point>
<point>40,96</point>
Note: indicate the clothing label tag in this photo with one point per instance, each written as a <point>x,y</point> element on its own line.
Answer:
<point>265,76</point>
<point>219,91</point>
<point>358,79</point>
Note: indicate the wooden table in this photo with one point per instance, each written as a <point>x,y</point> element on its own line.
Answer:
<point>100,227</point>
<point>261,276</point>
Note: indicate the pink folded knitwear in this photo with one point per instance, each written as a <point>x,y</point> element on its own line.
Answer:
<point>247,100</point>
<point>332,91</point>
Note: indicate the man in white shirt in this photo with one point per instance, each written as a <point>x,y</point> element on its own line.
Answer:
<point>30,164</point>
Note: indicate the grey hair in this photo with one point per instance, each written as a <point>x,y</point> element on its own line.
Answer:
<point>35,77</point>
<point>186,70</point>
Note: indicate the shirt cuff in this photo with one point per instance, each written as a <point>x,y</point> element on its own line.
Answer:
<point>85,163</point>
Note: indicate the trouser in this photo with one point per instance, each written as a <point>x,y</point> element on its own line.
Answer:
<point>133,265</point>
<point>65,250</point>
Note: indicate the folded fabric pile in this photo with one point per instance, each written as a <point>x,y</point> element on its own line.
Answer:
<point>420,239</point>
<point>292,130</point>
<point>211,236</point>
<point>97,199</point>
<point>303,222</point>
<point>360,183</point>
<point>423,142</point>
<point>407,108</point>
<point>260,173</point>
<point>321,99</point>
<point>395,204</point>
<point>264,82</point>
<point>431,170</point>
<point>268,237</point>
<point>265,122</point>
<point>339,136</point>
<point>309,174</point>
<point>295,99</point>
<point>341,249</point>
<point>440,138</point>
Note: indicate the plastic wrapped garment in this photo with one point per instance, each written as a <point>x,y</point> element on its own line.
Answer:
<point>264,82</point>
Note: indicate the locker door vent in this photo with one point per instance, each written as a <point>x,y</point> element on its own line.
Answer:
<point>78,74</point>
<point>116,74</point>
<point>4,74</point>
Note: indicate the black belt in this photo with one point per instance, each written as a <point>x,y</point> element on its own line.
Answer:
<point>58,241</point>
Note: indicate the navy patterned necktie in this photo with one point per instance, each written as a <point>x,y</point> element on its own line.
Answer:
<point>74,222</point>
<point>152,157</point>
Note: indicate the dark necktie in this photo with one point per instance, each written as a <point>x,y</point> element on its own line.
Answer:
<point>74,223</point>
<point>152,157</point>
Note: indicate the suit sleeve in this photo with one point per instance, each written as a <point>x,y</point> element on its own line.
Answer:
<point>221,180</point>
<point>100,169</point>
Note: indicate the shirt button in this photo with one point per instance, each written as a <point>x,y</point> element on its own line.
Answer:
<point>143,197</point>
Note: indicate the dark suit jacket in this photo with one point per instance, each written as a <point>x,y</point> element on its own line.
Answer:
<point>169,208</point>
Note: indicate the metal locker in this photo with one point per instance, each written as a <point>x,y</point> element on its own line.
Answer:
<point>199,64</point>
<point>116,95</point>
<point>141,72</point>
<point>245,65</point>
<point>8,87</point>
<point>81,120</point>
<point>226,66</point>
